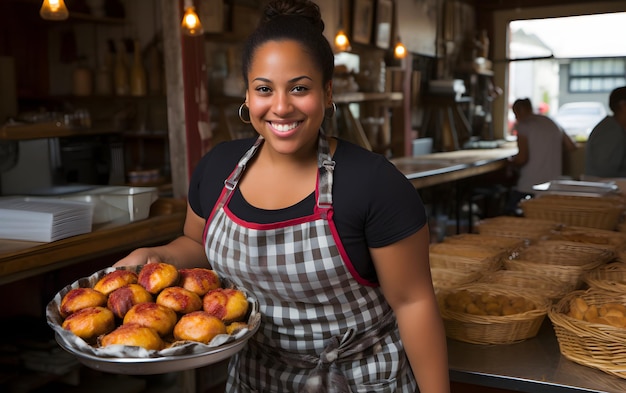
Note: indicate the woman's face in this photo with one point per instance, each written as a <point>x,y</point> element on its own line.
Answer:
<point>286,96</point>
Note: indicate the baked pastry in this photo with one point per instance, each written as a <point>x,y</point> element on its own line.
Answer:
<point>114,280</point>
<point>157,276</point>
<point>179,299</point>
<point>198,326</point>
<point>78,298</point>
<point>152,315</point>
<point>199,280</point>
<point>89,323</point>
<point>235,327</point>
<point>134,335</point>
<point>122,299</point>
<point>228,304</point>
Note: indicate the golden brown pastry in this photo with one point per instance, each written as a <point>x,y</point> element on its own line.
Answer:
<point>613,314</point>
<point>122,299</point>
<point>89,323</point>
<point>79,298</point>
<point>578,307</point>
<point>157,276</point>
<point>199,280</point>
<point>226,303</point>
<point>235,327</point>
<point>134,335</point>
<point>114,280</point>
<point>152,315</point>
<point>179,299</point>
<point>198,326</point>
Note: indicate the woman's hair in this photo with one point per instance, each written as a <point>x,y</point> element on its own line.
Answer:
<point>297,20</point>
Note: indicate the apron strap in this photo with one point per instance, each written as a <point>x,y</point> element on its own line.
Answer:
<point>326,167</point>
<point>231,182</point>
<point>325,164</point>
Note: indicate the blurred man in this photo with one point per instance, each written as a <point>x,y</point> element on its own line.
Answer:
<point>540,143</point>
<point>606,148</point>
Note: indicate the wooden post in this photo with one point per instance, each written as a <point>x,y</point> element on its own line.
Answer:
<point>187,97</point>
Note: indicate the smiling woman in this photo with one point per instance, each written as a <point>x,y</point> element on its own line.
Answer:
<point>332,238</point>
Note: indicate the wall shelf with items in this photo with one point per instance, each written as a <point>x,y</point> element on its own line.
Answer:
<point>355,128</point>
<point>102,115</point>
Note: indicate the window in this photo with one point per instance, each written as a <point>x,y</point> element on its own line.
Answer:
<point>596,75</point>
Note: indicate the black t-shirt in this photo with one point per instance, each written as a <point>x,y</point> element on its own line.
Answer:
<point>374,204</point>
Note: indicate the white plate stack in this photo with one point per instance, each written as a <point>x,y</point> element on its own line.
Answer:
<point>43,219</point>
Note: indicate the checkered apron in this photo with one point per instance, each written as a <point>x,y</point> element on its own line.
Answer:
<point>321,331</point>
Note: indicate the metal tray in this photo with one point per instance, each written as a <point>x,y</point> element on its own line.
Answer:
<point>575,187</point>
<point>138,361</point>
<point>158,365</point>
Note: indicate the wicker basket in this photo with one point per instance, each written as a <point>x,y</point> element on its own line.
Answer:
<point>600,237</point>
<point>488,329</point>
<point>466,257</point>
<point>510,245</point>
<point>521,228</point>
<point>467,250</point>
<point>565,261</point>
<point>620,254</point>
<point>548,287</point>
<point>593,212</point>
<point>566,252</point>
<point>610,277</point>
<point>591,344</point>
<point>444,278</point>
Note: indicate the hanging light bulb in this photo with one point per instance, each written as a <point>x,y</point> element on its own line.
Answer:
<point>53,10</point>
<point>191,22</point>
<point>342,43</point>
<point>399,51</point>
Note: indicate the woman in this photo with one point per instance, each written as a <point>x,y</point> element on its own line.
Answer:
<point>329,237</point>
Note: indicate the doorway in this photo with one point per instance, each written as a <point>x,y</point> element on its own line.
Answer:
<point>566,60</point>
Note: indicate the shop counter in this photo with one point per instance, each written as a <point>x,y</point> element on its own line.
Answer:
<point>21,259</point>
<point>533,366</point>
<point>438,168</point>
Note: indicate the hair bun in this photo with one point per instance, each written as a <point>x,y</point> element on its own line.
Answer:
<point>305,9</point>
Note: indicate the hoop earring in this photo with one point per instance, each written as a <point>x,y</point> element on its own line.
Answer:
<point>240,112</point>
<point>329,114</point>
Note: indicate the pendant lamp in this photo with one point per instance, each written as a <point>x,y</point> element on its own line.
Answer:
<point>399,50</point>
<point>342,43</point>
<point>191,25</point>
<point>53,10</point>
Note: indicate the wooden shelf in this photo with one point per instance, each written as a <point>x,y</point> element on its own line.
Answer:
<point>145,135</point>
<point>48,130</point>
<point>20,259</point>
<point>356,97</point>
<point>88,18</point>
